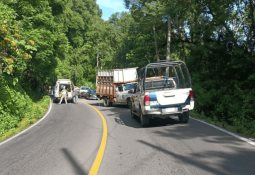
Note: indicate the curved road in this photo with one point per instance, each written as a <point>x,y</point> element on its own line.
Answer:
<point>66,142</point>
<point>170,148</point>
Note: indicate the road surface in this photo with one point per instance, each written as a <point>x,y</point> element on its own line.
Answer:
<point>67,141</point>
<point>64,143</point>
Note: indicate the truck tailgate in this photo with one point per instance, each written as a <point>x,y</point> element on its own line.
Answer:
<point>170,97</point>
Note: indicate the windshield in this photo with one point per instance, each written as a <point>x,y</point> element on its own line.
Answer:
<point>83,88</point>
<point>67,87</point>
<point>92,91</point>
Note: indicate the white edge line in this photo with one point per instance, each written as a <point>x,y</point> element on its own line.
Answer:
<point>227,132</point>
<point>30,127</point>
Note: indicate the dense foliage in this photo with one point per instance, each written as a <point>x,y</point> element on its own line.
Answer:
<point>218,44</point>
<point>41,41</point>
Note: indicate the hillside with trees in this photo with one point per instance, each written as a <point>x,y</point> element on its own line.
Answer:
<point>41,41</point>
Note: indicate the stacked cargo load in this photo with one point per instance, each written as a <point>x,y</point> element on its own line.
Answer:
<point>109,81</point>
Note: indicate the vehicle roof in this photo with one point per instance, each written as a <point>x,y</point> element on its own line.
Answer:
<point>68,81</point>
<point>84,87</point>
<point>164,63</point>
<point>63,80</point>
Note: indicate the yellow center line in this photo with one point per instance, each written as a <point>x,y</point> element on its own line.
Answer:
<point>97,162</point>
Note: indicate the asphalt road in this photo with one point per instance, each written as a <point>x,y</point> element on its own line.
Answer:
<point>170,148</point>
<point>66,142</point>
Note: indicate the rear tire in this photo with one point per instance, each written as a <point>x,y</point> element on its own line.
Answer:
<point>144,119</point>
<point>55,100</point>
<point>75,99</point>
<point>184,117</point>
<point>107,102</point>
<point>131,112</point>
<point>129,103</point>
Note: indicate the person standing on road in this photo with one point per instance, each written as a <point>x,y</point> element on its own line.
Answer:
<point>63,95</point>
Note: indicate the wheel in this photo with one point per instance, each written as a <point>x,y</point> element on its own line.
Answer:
<point>129,103</point>
<point>131,112</point>
<point>55,100</point>
<point>107,102</point>
<point>75,99</point>
<point>184,117</point>
<point>144,120</point>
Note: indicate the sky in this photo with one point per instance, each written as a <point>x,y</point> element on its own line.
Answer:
<point>110,6</point>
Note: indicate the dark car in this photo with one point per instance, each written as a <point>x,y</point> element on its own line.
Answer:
<point>91,95</point>
<point>83,91</point>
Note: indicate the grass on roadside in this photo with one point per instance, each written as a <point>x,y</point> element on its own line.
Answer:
<point>38,109</point>
<point>242,132</point>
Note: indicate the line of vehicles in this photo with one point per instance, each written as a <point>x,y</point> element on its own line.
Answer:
<point>73,92</point>
<point>161,89</point>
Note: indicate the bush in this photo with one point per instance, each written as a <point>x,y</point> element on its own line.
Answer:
<point>17,109</point>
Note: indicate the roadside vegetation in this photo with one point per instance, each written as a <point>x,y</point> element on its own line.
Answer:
<point>41,41</point>
<point>22,112</point>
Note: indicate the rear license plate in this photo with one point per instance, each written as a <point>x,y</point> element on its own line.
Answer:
<point>153,103</point>
<point>169,110</point>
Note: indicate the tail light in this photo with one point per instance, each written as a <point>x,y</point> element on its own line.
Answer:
<point>146,100</point>
<point>191,94</point>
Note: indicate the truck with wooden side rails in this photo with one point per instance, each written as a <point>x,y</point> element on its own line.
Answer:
<point>113,86</point>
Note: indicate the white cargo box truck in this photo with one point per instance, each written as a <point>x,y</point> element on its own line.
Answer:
<point>113,85</point>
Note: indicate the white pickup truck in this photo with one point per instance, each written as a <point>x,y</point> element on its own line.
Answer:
<point>163,89</point>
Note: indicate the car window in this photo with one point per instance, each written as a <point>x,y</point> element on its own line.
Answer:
<point>128,87</point>
<point>93,92</point>
<point>120,88</point>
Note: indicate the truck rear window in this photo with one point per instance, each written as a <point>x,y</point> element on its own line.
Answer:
<point>162,83</point>
<point>173,76</point>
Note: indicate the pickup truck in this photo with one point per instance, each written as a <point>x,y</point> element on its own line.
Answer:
<point>163,90</point>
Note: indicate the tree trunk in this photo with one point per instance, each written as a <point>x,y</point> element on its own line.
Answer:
<point>251,37</point>
<point>168,51</point>
<point>155,43</point>
<point>97,60</point>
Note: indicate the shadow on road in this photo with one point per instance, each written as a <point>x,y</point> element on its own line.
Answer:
<point>195,129</point>
<point>239,162</point>
<point>222,154</point>
<point>121,114</point>
<point>78,169</point>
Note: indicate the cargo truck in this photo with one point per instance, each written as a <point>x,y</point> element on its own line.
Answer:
<point>114,86</point>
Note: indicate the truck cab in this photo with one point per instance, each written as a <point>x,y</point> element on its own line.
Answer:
<point>123,93</point>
